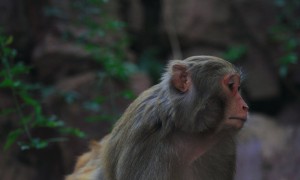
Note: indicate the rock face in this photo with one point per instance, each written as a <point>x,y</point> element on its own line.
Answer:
<point>64,58</point>
<point>207,27</point>
<point>268,150</point>
<point>196,21</point>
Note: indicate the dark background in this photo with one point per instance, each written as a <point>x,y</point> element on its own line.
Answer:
<point>88,59</point>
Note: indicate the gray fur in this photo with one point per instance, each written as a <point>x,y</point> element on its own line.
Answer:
<point>142,144</point>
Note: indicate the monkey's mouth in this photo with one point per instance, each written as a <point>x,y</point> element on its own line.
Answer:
<point>239,118</point>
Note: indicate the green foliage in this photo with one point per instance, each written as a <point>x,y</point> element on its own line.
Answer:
<point>101,26</point>
<point>128,94</point>
<point>26,106</point>
<point>285,34</point>
<point>103,37</point>
<point>105,40</point>
<point>109,53</point>
<point>235,53</point>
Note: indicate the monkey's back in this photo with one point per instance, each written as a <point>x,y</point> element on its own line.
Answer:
<point>136,140</point>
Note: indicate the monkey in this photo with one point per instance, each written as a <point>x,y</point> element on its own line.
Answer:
<point>183,128</point>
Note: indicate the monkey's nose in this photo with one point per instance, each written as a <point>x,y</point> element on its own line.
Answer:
<point>245,107</point>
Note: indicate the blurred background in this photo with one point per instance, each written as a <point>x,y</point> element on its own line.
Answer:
<point>69,68</point>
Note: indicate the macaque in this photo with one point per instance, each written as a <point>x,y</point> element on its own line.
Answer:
<point>183,128</point>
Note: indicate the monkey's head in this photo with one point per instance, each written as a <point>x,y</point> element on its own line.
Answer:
<point>205,93</point>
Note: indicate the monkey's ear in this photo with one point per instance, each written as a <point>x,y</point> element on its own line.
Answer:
<point>181,79</point>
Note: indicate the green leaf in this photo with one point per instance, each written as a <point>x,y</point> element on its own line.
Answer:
<point>9,40</point>
<point>73,131</point>
<point>291,58</point>
<point>12,137</point>
<point>283,70</point>
<point>35,143</point>
<point>280,3</point>
<point>71,96</point>
<point>20,68</point>
<point>92,106</point>
<point>7,83</point>
<point>24,146</point>
<point>291,44</point>
<point>35,104</point>
<point>235,53</point>
<point>115,25</point>
<point>128,94</point>
<point>100,99</point>
<point>38,143</point>
<point>28,99</point>
<point>51,122</point>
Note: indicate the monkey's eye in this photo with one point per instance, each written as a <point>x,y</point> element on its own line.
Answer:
<point>232,87</point>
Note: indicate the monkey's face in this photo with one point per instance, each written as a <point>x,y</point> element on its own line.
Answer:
<point>236,110</point>
<point>205,99</point>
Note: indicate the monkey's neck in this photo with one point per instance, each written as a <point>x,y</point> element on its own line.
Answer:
<point>191,146</point>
